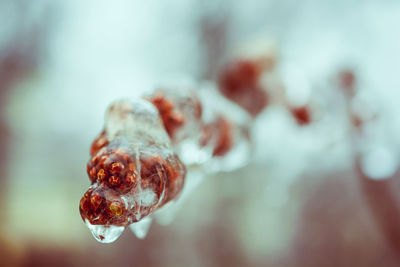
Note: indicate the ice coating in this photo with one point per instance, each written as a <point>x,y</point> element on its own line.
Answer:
<point>133,169</point>
<point>226,131</point>
<point>180,111</point>
<point>204,126</point>
<point>136,168</point>
<point>219,131</point>
<point>141,228</point>
<point>105,234</point>
<point>230,142</point>
<point>167,213</point>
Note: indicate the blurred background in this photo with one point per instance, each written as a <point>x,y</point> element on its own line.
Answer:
<point>323,194</point>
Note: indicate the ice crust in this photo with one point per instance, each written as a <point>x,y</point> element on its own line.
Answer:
<point>139,145</point>
<point>205,131</point>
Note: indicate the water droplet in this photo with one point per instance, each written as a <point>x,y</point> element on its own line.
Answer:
<point>105,233</point>
<point>141,228</point>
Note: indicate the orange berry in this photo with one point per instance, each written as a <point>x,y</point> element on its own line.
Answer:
<point>114,181</point>
<point>101,175</point>
<point>116,208</point>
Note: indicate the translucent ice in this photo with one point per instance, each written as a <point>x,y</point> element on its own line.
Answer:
<point>167,213</point>
<point>181,112</point>
<point>141,228</point>
<point>136,120</point>
<point>133,170</point>
<point>205,128</point>
<point>105,234</point>
<point>227,130</point>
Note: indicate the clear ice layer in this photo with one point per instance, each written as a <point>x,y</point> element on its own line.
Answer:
<point>134,171</point>
<point>138,121</point>
<point>141,228</point>
<point>181,111</point>
<point>205,128</point>
<point>138,162</point>
<point>166,214</point>
<point>238,157</point>
<point>192,153</point>
<point>230,128</point>
<point>105,234</point>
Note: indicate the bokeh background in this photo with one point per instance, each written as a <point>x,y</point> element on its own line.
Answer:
<point>306,198</point>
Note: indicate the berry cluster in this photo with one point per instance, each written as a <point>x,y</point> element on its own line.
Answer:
<point>129,181</point>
